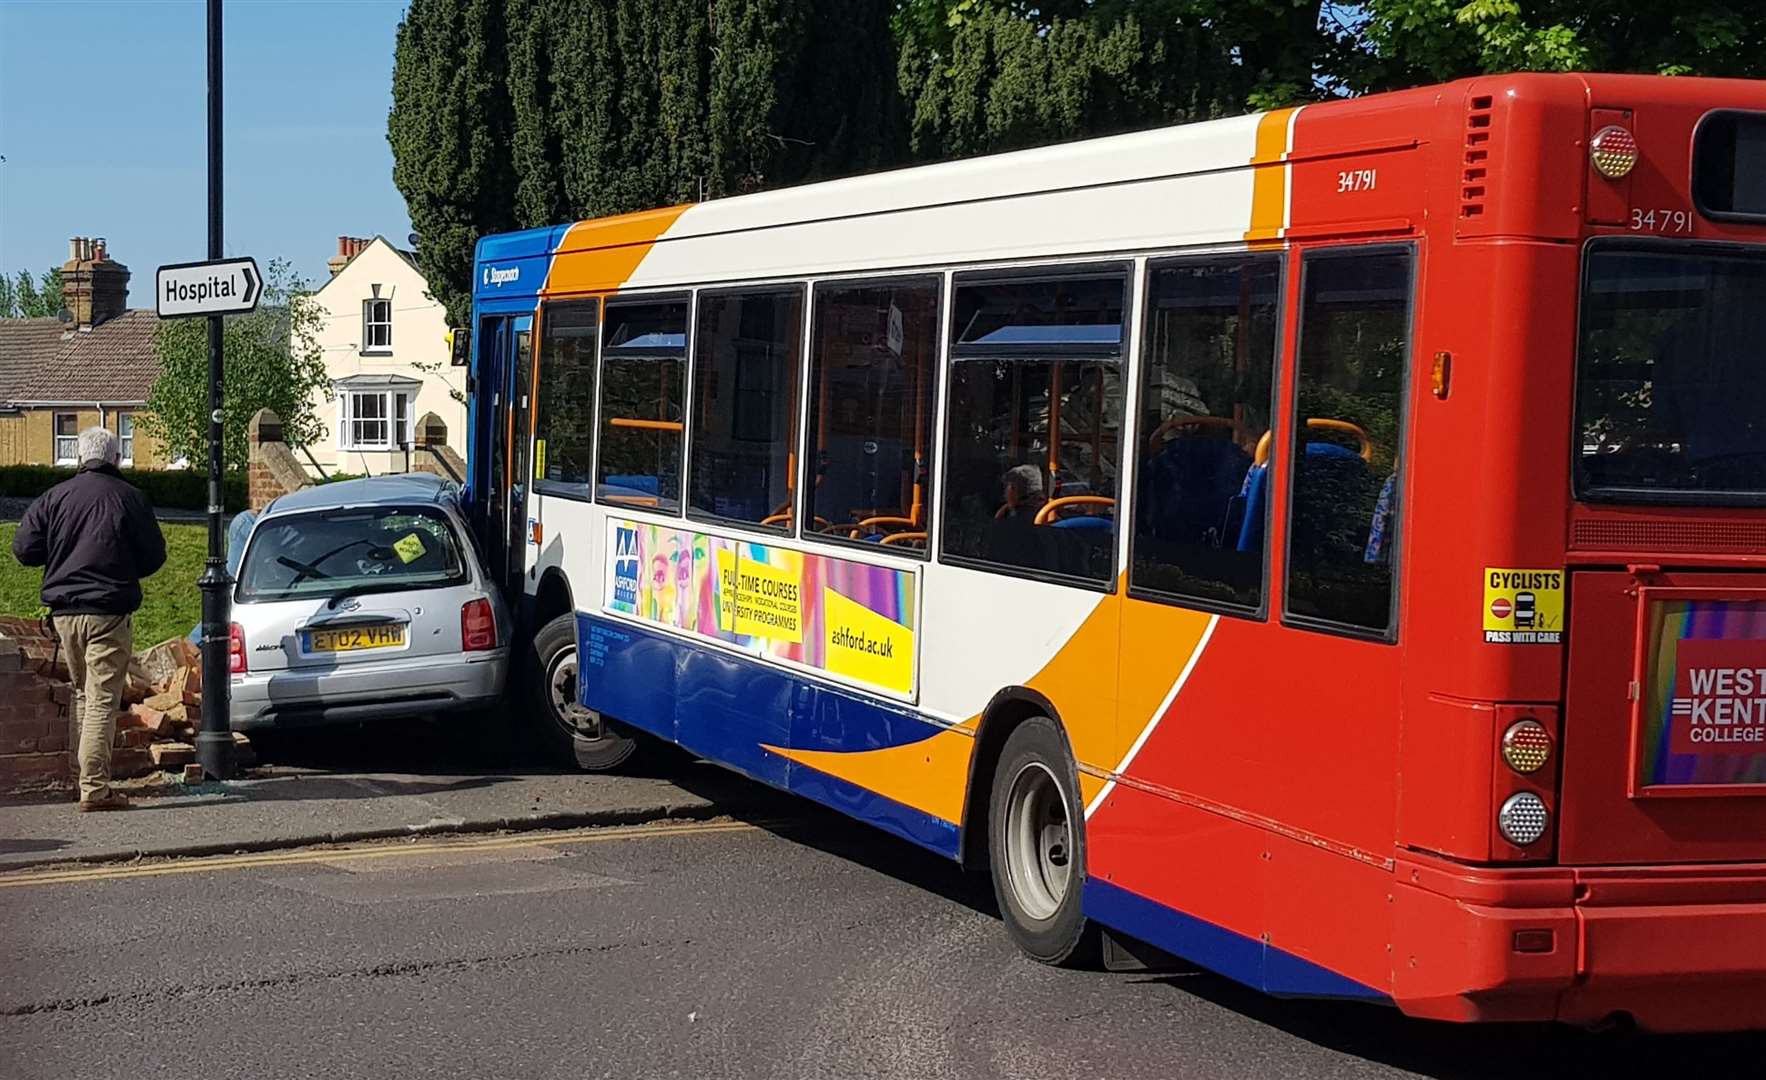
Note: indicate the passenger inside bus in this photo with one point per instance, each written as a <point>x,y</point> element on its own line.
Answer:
<point>1035,424</point>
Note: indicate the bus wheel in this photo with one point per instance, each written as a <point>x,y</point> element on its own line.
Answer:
<point>576,735</point>
<point>1036,834</point>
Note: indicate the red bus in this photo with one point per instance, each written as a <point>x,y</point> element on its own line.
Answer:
<point>1328,545</point>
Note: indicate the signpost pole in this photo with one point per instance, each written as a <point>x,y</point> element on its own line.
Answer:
<point>214,743</point>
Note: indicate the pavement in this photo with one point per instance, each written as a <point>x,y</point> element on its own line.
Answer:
<point>344,784</point>
<point>803,946</point>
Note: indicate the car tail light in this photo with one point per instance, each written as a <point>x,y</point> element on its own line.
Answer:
<point>236,649</point>
<point>478,626</point>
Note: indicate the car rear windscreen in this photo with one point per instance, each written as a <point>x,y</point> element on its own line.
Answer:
<point>355,550</point>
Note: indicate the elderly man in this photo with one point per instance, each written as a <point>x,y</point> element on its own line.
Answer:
<point>96,538</point>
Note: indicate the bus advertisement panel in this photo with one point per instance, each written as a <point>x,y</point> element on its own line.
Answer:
<point>851,620</point>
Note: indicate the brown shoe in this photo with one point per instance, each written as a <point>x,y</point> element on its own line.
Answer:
<point>113,801</point>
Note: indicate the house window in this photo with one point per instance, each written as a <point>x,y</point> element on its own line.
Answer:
<point>374,420</point>
<point>126,436</point>
<point>377,326</point>
<point>67,438</point>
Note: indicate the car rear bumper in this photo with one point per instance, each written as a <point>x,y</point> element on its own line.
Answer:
<point>1674,948</point>
<point>368,691</point>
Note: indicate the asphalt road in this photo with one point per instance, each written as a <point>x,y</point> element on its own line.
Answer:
<point>812,947</point>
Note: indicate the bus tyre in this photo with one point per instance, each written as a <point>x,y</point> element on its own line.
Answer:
<point>575,735</point>
<point>1036,848</point>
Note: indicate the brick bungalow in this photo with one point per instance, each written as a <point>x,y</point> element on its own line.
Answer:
<point>58,377</point>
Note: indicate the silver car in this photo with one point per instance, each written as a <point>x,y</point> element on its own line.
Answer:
<point>364,599</point>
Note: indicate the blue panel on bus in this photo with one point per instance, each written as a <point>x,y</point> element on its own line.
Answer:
<point>1216,948</point>
<point>628,675</point>
<point>729,707</point>
<point>874,809</point>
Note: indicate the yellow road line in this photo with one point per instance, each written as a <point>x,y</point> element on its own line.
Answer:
<point>380,850</point>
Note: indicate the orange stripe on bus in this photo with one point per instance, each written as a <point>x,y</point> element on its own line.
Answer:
<point>1269,179</point>
<point>602,255</point>
<point>1080,681</point>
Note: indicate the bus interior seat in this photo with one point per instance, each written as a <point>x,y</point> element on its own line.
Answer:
<point>1255,494</point>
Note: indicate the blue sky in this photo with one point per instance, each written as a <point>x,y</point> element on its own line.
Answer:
<point>103,127</point>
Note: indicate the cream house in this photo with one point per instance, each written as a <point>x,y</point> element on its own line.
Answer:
<point>384,339</point>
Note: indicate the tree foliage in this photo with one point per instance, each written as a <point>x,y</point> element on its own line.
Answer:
<point>518,113</point>
<point>273,361</point>
<point>25,297</point>
<point>537,111</point>
<point>1391,43</point>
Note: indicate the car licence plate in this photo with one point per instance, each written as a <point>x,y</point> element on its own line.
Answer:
<point>356,638</point>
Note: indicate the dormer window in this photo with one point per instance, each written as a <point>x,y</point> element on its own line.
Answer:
<point>376,326</point>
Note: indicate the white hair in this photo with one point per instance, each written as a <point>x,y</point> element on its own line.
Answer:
<point>1026,478</point>
<point>97,444</point>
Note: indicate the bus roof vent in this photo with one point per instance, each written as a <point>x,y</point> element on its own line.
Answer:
<point>1476,166</point>
<point>1725,536</point>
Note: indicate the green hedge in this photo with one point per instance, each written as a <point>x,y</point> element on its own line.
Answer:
<point>171,489</point>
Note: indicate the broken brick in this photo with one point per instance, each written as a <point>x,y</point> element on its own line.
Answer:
<point>168,755</point>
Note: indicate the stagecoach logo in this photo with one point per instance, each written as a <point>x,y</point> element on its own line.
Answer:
<point>625,569</point>
<point>1719,702</point>
<point>500,276</point>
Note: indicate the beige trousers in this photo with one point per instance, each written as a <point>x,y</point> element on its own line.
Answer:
<point>98,649</point>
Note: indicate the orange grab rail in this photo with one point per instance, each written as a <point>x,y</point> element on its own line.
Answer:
<point>647,425</point>
<point>1364,447</point>
<point>1047,513</point>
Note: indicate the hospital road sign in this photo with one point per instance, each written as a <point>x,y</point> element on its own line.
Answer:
<point>219,287</point>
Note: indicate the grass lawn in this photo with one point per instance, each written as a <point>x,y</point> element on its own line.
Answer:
<point>170,605</point>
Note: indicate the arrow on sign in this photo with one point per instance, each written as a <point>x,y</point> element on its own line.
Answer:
<point>218,287</point>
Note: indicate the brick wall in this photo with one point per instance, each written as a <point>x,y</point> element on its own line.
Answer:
<point>35,725</point>
<point>272,470</point>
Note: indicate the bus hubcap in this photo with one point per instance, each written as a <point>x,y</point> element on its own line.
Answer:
<point>1038,841</point>
<point>567,709</point>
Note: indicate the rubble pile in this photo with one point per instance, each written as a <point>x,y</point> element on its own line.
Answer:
<point>162,704</point>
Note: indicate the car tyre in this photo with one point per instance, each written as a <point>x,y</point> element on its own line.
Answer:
<point>575,735</point>
<point>1036,849</point>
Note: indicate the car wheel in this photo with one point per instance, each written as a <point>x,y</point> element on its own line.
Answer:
<point>1036,834</point>
<point>578,736</point>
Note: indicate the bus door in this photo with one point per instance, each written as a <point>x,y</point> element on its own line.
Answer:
<point>506,376</point>
<point>490,466</point>
<point>517,530</point>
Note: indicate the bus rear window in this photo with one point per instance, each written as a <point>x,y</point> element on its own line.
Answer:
<point>1671,376</point>
<point>1729,165</point>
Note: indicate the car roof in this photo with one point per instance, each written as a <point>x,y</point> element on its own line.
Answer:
<point>400,489</point>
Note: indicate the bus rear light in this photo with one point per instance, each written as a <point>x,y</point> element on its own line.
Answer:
<point>1523,819</point>
<point>1613,152</point>
<point>1526,746</point>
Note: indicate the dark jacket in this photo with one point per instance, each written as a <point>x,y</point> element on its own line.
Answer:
<point>96,538</point>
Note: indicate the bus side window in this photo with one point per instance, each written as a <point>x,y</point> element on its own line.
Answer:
<point>872,375</point>
<point>1202,488</point>
<point>643,404</point>
<point>1035,422</point>
<point>564,436</point>
<point>746,349</point>
<point>1343,524</point>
